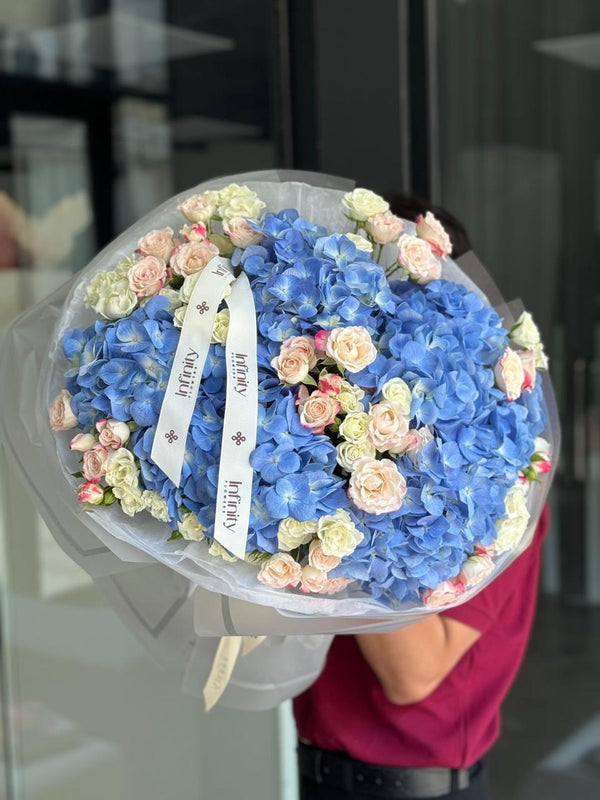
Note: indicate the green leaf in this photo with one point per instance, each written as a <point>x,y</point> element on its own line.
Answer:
<point>257,556</point>
<point>537,457</point>
<point>174,536</point>
<point>108,498</point>
<point>223,243</point>
<point>177,281</point>
<point>77,474</point>
<point>133,426</point>
<point>309,381</point>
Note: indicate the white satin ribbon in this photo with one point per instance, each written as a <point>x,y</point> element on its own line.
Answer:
<point>168,449</point>
<point>224,662</point>
<point>234,491</point>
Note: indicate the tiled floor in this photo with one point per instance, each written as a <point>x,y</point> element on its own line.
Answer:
<point>550,744</point>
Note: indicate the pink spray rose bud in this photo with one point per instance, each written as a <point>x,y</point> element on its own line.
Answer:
<point>192,257</point>
<point>318,411</point>
<point>147,276</point>
<point>61,416</point>
<point>194,233</point>
<point>321,342</point>
<point>113,433</point>
<point>416,256</point>
<point>91,493</point>
<point>157,243</point>
<point>82,442</point>
<point>432,230</point>
<point>384,227</point>
<point>528,363</point>
<point>445,593</point>
<point>509,374</point>
<point>94,463</point>
<point>331,383</point>
<point>241,233</point>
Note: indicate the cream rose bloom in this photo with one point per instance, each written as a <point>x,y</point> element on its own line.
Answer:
<point>157,243</point>
<point>387,427</point>
<point>200,207</point>
<point>432,231</point>
<point>415,255</point>
<point>94,463</point>
<point>338,534</point>
<point>216,549</point>
<point>444,593</point>
<point>349,398</point>
<point>319,560</point>
<point>241,233</point>
<point>130,498</point>
<point>291,368</point>
<point>189,527</point>
<point>475,569</point>
<point>147,276</point>
<point>112,433</point>
<point>511,528</point>
<point>355,427</point>
<point>509,374</point>
<point>360,242</point>
<point>61,416</point>
<point>239,201</point>
<point>292,534</point>
<point>318,410</point>
<point>279,571</point>
<point>156,505</point>
<point>351,348</point>
<point>221,327</point>
<point>121,469</point>
<point>347,453</point>
<point>192,257</point>
<point>301,344</point>
<point>109,295</point>
<point>313,580</point>
<point>376,486</point>
<point>363,203</point>
<point>384,227</point>
<point>398,392</point>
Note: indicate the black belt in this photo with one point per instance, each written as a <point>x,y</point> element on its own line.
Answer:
<point>340,771</point>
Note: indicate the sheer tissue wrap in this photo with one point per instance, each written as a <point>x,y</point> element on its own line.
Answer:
<point>176,596</point>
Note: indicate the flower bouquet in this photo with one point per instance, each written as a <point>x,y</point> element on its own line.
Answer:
<point>299,402</point>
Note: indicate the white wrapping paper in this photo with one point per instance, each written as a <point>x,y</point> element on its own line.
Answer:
<point>189,596</point>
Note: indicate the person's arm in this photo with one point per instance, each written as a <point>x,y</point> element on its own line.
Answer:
<point>412,662</point>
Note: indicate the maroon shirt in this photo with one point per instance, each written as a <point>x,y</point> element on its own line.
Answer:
<point>457,724</point>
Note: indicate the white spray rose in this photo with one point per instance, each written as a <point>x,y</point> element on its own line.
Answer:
<point>511,528</point>
<point>338,534</point>
<point>363,203</point>
<point>360,242</point>
<point>190,527</point>
<point>355,427</point>
<point>398,392</point>
<point>347,453</point>
<point>221,327</point>
<point>131,499</point>
<point>156,505</point>
<point>216,549</point>
<point>292,534</point>
<point>121,469</point>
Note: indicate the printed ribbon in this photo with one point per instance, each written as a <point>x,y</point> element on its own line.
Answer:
<point>224,663</point>
<point>168,449</point>
<point>234,491</point>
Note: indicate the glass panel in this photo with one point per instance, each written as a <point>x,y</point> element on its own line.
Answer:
<point>107,109</point>
<point>515,123</point>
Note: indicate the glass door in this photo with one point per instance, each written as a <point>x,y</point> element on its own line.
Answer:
<point>514,132</point>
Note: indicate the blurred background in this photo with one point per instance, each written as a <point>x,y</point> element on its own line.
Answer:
<point>107,107</point>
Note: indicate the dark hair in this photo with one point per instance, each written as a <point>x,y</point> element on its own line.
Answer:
<point>410,207</point>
